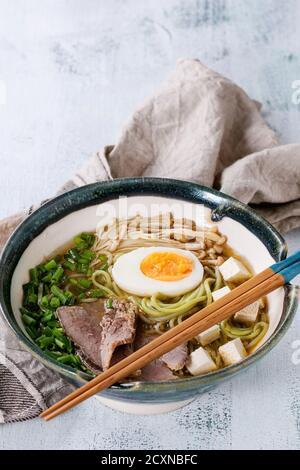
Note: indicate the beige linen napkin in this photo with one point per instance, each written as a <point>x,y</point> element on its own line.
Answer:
<point>201,127</point>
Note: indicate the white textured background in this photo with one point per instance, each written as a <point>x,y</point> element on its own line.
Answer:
<point>72,72</point>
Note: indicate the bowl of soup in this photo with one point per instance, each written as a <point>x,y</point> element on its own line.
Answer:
<point>100,271</point>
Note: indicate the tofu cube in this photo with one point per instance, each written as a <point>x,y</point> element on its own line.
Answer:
<point>217,294</point>
<point>234,271</point>
<point>248,315</point>
<point>213,333</point>
<point>232,352</point>
<point>209,335</point>
<point>200,362</point>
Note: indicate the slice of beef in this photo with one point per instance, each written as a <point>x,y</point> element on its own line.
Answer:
<point>118,328</point>
<point>96,308</point>
<point>100,333</point>
<point>82,323</point>
<point>156,370</point>
<point>176,358</point>
<point>120,353</point>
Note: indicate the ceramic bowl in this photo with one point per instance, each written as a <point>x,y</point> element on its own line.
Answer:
<point>57,221</point>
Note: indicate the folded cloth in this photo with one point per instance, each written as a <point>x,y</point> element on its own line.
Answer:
<point>199,125</point>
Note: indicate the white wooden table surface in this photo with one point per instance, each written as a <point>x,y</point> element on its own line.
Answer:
<point>71,72</point>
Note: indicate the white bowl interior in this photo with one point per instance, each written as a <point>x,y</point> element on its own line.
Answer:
<point>58,234</point>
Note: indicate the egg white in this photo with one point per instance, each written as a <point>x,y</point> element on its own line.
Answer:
<point>128,275</point>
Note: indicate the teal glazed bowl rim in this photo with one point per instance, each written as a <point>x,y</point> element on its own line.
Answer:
<point>220,204</point>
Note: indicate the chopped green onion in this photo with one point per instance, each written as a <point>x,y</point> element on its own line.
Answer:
<point>70,298</point>
<point>28,320</point>
<point>32,332</point>
<point>82,268</point>
<point>32,298</point>
<point>73,253</point>
<point>96,293</point>
<point>25,311</point>
<point>59,293</point>
<point>47,318</point>
<point>44,341</point>
<point>80,243</point>
<point>29,287</point>
<point>83,261</point>
<point>34,275</point>
<point>40,293</point>
<point>47,331</point>
<point>44,301</point>
<point>109,303</point>
<point>76,360</point>
<point>88,254</point>
<point>65,359</point>
<point>84,240</point>
<point>53,324</point>
<point>85,283</point>
<point>88,237</point>
<point>59,343</point>
<point>57,276</point>
<point>62,341</point>
<point>50,265</point>
<point>70,265</point>
<point>69,359</point>
<point>55,302</point>
<point>57,332</point>
<point>53,354</point>
<point>77,240</point>
<point>67,343</point>
<point>46,291</point>
<point>47,278</point>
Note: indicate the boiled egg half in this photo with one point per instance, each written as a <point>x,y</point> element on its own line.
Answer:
<point>147,271</point>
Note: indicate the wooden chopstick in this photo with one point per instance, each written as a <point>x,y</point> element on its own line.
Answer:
<point>223,308</point>
<point>264,275</point>
<point>145,355</point>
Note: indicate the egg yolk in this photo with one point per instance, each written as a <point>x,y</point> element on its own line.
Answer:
<point>166,266</point>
